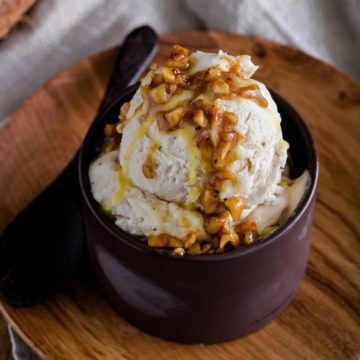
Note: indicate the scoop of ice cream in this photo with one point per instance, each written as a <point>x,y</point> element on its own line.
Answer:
<point>201,156</point>
<point>177,159</point>
<point>140,212</point>
<point>180,173</point>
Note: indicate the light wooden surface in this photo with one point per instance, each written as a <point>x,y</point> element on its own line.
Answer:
<point>323,322</point>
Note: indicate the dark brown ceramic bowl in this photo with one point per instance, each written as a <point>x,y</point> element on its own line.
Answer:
<point>206,298</point>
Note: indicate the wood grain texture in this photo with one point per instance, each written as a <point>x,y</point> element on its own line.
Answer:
<point>11,12</point>
<point>323,322</point>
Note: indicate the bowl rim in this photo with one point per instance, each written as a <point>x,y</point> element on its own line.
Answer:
<point>134,243</point>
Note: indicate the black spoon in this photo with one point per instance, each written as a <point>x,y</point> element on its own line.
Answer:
<point>43,248</point>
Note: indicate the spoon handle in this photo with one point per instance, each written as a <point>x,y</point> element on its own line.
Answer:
<point>133,58</point>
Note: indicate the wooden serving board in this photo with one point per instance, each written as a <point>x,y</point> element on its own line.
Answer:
<point>322,322</point>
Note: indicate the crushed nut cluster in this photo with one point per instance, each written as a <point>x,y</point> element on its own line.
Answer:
<point>110,141</point>
<point>217,138</point>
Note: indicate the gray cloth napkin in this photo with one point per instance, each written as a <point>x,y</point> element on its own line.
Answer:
<point>62,32</point>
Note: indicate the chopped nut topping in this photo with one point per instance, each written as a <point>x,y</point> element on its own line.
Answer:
<point>163,92</point>
<point>248,225</point>
<point>219,86</point>
<point>168,74</point>
<point>200,102</point>
<point>225,174</point>
<point>163,241</point>
<point>214,124</point>
<point>109,130</point>
<point>229,122</point>
<point>206,248</point>
<point>124,110</point>
<point>173,76</point>
<point>179,57</point>
<point>202,135</point>
<point>174,117</point>
<point>248,238</point>
<point>231,237</point>
<point>221,153</point>
<point>219,222</point>
<point>178,52</point>
<point>213,73</point>
<point>157,79</point>
<point>228,127</point>
<point>178,251</point>
<point>199,118</point>
<point>235,206</point>
<point>194,249</point>
<point>111,139</point>
<point>190,240</point>
<point>209,200</point>
<point>233,80</point>
<point>149,167</point>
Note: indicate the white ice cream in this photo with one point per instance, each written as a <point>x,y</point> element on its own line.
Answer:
<point>263,146</point>
<point>144,206</point>
<point>139,212</point>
